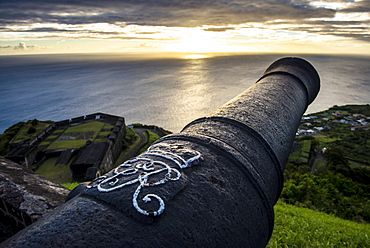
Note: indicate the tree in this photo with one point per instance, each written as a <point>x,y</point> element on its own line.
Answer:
<point>335,158</point>
<point>34,122</point>
<point>31,130</point>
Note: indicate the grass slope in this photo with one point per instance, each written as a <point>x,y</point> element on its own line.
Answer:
<point>301,227</point>
<point>23,135</point>
<point>301,154</point>
<point>55,173</point>
<point>70,186</point>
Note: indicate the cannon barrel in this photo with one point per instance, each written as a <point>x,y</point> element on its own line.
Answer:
<point>214,184</point>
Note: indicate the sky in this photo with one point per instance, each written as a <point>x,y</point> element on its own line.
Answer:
<point>184,26</point>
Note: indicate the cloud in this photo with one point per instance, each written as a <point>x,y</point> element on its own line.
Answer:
<point>345,29</point>
<point>358,7</point>
<point>219,29</point>
<point>42,16</point>
<point>147,45</point>
<point>5,47</point>
<point>147,32</point>
<point>161,12</point>
<point>20,46</point>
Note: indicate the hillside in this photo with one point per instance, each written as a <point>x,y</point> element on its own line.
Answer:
<point>329,169</point>
<point>302,227</point>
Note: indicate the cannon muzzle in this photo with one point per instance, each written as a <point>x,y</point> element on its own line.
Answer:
<point>214,184</point>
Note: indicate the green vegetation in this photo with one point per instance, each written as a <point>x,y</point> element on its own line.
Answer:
<point>67,144</point>
<point>130,135</point>
<point>325,139</point>
<point>70,186</point>
<point>354,164</point>
<point>151,138</point>
<point>331,193</point>
<point>354,144</point>
<point>45,143</point>
<point>301,227</point>
<point>301,154</point>
<point>7,136</point>
<point>130,141</point>
<point>140,125</point>
<point>344,130</point>
<point>53,136</point>
<point>56,173</point>
<point>80,133</point>
<point>353,109</point>
<point>159,129</point>
<point>336,179</point>
<point>105,133</point>
<point>34,122</point>
<point>94,126</point>
<point>29,130</point>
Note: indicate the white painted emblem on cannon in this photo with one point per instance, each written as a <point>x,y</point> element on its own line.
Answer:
<point>149,169</point>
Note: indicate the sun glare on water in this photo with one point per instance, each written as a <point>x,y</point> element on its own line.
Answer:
<point>195,56</point>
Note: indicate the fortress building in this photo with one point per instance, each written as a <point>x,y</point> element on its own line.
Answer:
<point>89,144</point>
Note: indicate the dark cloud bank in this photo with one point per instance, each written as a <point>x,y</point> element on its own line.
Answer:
<point>190,13</point>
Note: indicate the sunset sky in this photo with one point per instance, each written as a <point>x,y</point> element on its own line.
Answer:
<point>188,26</point>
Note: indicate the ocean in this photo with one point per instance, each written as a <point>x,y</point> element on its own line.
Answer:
<point>168,92</point>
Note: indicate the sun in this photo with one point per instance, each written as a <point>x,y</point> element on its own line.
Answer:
<point>197,41</point>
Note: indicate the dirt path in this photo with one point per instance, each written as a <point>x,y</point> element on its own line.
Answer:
<point>143,139</point>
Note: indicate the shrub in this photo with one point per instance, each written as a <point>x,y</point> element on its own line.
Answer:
<point>31,130</point>
<point>332,193</point>
<point>34,122</point>
<point>6,137</point>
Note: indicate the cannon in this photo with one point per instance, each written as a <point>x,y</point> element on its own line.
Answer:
<point>214,184</point>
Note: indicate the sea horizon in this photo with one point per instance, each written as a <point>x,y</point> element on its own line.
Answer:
<point>168,92</point>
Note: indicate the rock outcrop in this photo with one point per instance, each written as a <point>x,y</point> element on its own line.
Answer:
<point>24,197</point>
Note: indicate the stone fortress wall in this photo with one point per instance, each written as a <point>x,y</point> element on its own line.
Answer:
<point>28,152</point>
<point>25,197</point>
